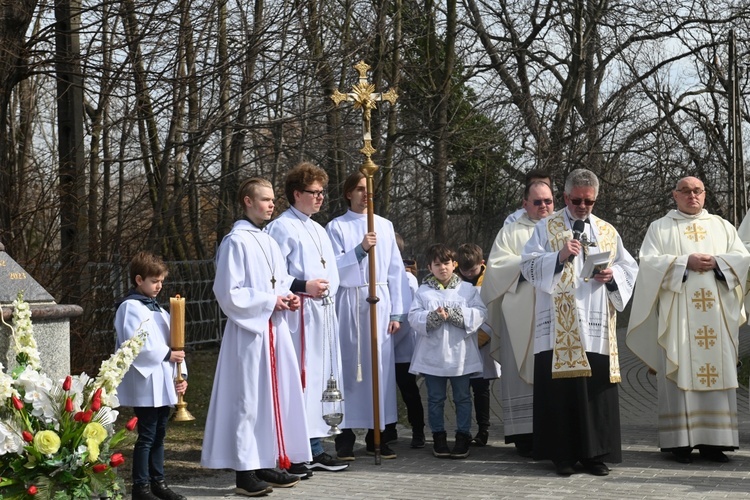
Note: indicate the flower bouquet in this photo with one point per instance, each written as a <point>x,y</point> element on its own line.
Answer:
<point>57,439</point>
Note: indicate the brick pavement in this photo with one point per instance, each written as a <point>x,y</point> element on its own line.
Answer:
<point>496,471</point>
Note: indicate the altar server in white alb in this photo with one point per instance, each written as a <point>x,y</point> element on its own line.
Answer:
<point>351,243</point>
<point>510,305</point>
<point>314,327</point>
<point>576,363</point>
<point>685,323</point>
<point>257,411</point>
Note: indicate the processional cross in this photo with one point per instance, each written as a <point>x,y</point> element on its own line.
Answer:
<point>364,97</point>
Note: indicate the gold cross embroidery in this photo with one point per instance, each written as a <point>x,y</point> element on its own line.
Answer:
<point>703,299</point>
<point>706,337</point>
<point>708,375</point>
<point>695,232</point>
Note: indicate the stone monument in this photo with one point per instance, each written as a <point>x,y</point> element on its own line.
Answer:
<point>51,320</point>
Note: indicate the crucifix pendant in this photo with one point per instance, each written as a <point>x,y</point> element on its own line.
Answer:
<point>323,261</point>
<point>273,282</point>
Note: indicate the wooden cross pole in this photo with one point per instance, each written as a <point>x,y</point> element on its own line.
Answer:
<point>364,97</point>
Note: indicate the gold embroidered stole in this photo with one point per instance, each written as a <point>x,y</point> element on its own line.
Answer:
<point>705,322</point>
<point>569,358</point>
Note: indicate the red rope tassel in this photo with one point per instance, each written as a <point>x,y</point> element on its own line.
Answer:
<point>284,462</point>
<point>302,340</point>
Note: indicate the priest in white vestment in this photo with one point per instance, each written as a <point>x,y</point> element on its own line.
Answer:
<point>531,176</point>
<point>576,364</point>
<point>685,320</point>
<point>314,327</point>
<point>510,304</point>
<point>351,243</point>
<point>256,414</point>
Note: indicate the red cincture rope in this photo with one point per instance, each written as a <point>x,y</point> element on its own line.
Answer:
<point>284,462</point>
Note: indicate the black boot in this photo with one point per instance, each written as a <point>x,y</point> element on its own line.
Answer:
<point>440,445</point>
<point>143,492</point>
<point>249,485</point>
<point>461,448</point>
<point>417,438</point>
<point>161,490</point>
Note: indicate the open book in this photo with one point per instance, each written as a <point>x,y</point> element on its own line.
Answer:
<point>595,262</point>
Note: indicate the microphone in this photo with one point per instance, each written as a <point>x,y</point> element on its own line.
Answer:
<point>578,227</point>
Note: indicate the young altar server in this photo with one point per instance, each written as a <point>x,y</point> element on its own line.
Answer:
<point>256,407</point>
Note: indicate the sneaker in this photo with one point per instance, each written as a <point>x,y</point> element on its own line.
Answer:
<point>249,485</point>
<point>277,478</point>
<point>481,438</point>
<point>143,492</point>
<point>461,448</point>
<point>324,461</point>
<point>161,490</point>
<point>440,445</point>
<point>300,470</point>
<point>345,453</point>
<point>385,451</point>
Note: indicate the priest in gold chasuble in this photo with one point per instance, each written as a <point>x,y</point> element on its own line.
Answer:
<point>685,320</point>
<point>576,364</point>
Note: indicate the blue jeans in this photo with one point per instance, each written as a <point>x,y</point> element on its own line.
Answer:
<point>436,394</point>
<point>148,453</point>
<point>316,446</point>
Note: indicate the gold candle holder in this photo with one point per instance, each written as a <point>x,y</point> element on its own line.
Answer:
<point>177,331</point>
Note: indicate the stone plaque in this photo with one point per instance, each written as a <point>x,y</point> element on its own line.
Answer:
<point>14,279</point>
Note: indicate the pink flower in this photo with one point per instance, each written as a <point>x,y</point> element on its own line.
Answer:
<point>17,403</point>
<point>32,490</point>
<point>131,423</point>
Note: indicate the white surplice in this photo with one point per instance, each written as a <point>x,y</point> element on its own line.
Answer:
<point>510,304</point>
<point>241,432</point>
<point>405,338</point>
<point>448,350</point>
<point>150,379</point>
<point>309,255</point>
<point>346,234</point>
<point>685,325</point>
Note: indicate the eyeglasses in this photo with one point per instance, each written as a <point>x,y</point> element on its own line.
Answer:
<point>688,192</point>
<point>316,194</point>
<point>578,201</point>
<point>546,201</point>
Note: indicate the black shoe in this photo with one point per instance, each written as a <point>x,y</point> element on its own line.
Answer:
<point>440,445</point>
<point>346,452</point>
<point>417,440</point>
<point>389,435</point>
<point>143,492</point>
<point>682,455</point>
<point>250,485</point>
<point>277,478</point>
<point>385,451</point>
<point>525,450</point>
<point>324,461</point>
<point>564,468</point>
<point>713,455</point>
<point>481,438</point>
<point>161,490</point>
<point>461,448</point>
<point>595,467</point>
<point>300,470</point>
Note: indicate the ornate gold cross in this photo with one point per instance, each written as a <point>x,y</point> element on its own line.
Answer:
<point>706,337</point>
<point>364,97</point>
<point>703,299</point>
<point>707,375</point>
<point>695,232</point>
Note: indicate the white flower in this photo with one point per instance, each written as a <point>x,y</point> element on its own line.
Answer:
<point>112,370</point>
<point>6,385</point>
<point>10,438</point>
<point>23,332</point>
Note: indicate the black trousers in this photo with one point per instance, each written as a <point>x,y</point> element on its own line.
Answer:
<point>407,385</point>
<point>481,389</point>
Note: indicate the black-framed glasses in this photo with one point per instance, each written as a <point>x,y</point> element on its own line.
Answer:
<point>694,191</point>
<point>316,194</point>
<point>578,201</point>
<point>546,201</point>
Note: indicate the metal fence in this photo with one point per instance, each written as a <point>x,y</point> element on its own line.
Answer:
<point>192,280</point>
